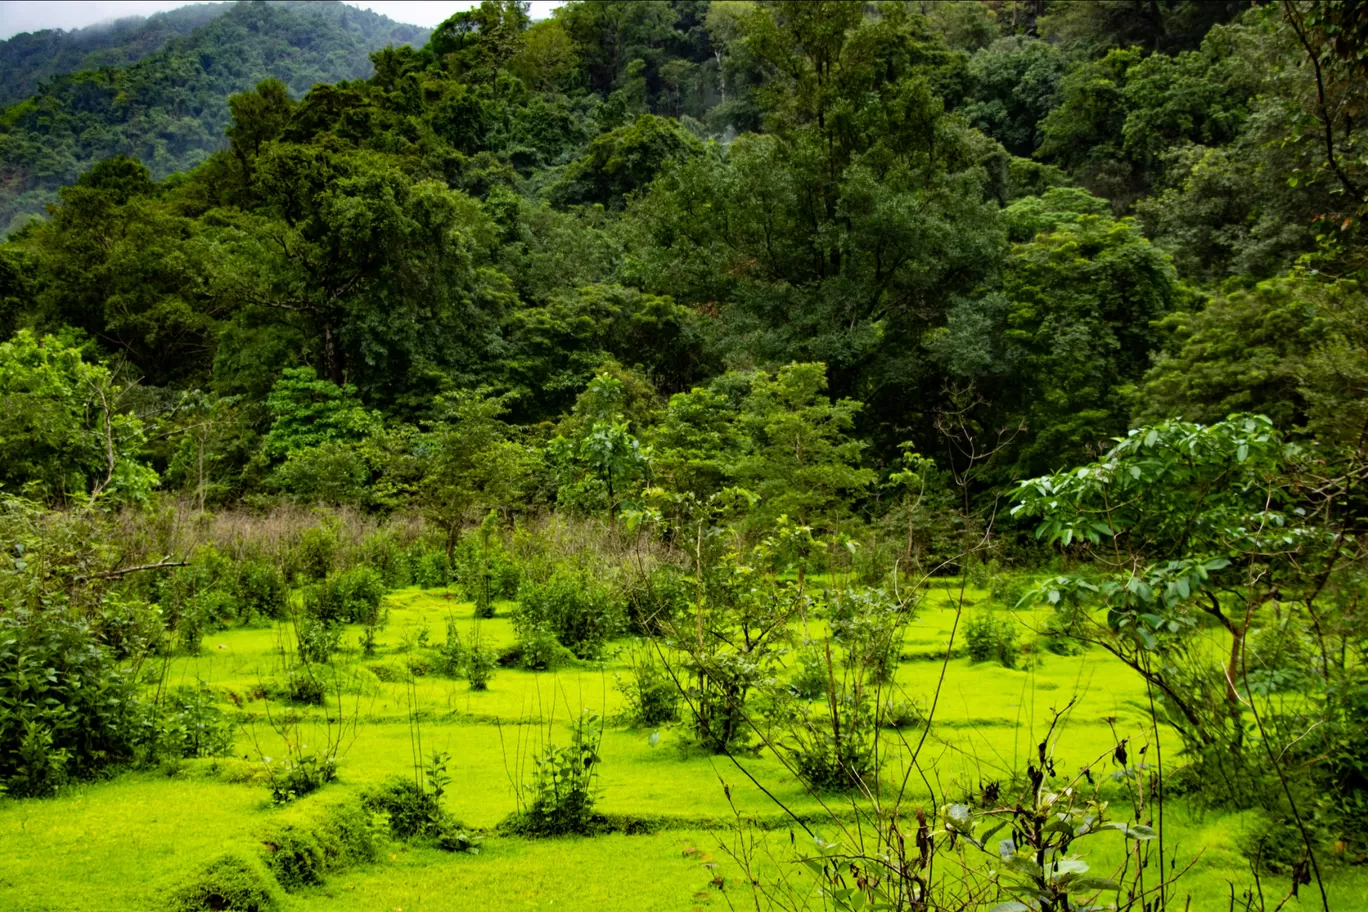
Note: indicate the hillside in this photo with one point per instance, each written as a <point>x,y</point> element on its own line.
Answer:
<point>169,109</point>
<point>29,58</point>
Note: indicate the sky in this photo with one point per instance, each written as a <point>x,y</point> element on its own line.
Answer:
<point>28,16</point>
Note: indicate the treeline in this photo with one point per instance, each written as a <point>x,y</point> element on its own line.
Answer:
<point>1039,225</point>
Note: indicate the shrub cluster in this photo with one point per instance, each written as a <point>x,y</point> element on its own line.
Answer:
<point>988,637</point>
<point>573,606</point>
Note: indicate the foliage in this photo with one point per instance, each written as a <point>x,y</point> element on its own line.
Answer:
<point>64,434</point>
<point>650,691</point>
<point>67,709</point>
<point>990,638</point>
<point>233,882</point>
<point>577,609</point>
<point>560,798</point>
<point>479,666</point>
<point>347,597</point>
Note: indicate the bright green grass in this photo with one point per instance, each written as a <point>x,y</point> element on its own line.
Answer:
<point>121,845</point>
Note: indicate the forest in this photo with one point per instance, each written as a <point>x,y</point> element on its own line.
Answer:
<point>773,454</point>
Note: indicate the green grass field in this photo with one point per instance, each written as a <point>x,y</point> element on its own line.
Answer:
<point>126,844</point>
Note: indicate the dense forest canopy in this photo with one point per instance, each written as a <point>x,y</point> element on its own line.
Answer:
<point>1080,282</point>
<point>1047,211</point>
<point>158,89</point>
<point>29,58</point>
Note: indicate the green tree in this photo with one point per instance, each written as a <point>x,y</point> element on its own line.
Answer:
<point>800,459</point>
<point>65,435</point>
<point>602,466</point>
<point>385,276</point>
<point>471,461</point>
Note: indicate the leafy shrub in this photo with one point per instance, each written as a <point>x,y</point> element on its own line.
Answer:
<point>988,637</point>
<point>657,599</point>
<point>485,567</point>
<point>304,688</point>
<point>1280,657</point>
<point>349,835</point>
<point>828,756</point>
<point>348,597</point>
<point>127,627</point>
<point>430,568</point>
<point>317,640</point>
<point>572,605</point>
<point>191,724</point>
<point>231,883</point>
<point>562,788</point>
<point>261,591</point>
<point>652,695</point>
<point>1010,588</point>
<point>479,667</point>
<point>451,654</point>
<point>383,552</point>
<point>69,722</point>
<point>390,674</point>
<point>901,712</point>
<point>412,810</point>
<point>867,626</point>
<point>191,627</point>
<point>314,555</point>
<point>300,776</point>
<point>1058,640</point>
<point>296,859</point>
<point>810,676</point>
<point>537,649</point>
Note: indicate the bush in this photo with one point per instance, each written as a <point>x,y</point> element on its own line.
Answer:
<point>562,794</point>
<point>347,597</point>
<point>305,689</point>
<point>430,569</point>
<point>300,776</point>
<point>412,810</point>
<point>231,883</point>
<point>572,605</point>
<point>479,667</point>
<point>451,654</point>
<point>314,555</point>
<point>1059,641</point>
<point>386,556</point>
<point>537,649</point>
<point>190,724</point>
<point>652,695</point>
<point>901,713</point>
<point>350,836</point>
<point>296,860</point>
<point>810,677</point>
<point>988,637</point>
<point>828,753</point>
<point>317,640</point>
<point>70,722</point>
<point>655,601</point>
<point>261,591</point>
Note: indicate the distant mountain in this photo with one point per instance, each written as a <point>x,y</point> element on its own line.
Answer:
<point>170,108</point>
<point>29,58</point>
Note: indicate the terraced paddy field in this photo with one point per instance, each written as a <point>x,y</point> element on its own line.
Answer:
<point>130,843</point>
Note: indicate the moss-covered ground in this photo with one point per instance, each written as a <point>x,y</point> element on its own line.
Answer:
<point>127,843</point>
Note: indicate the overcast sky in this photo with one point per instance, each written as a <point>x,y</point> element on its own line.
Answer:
<point>26,16</point>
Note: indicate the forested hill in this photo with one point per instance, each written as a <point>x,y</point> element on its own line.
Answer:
<point>170,108</point>
<point>31,57</point>
<point>1052,225</point>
